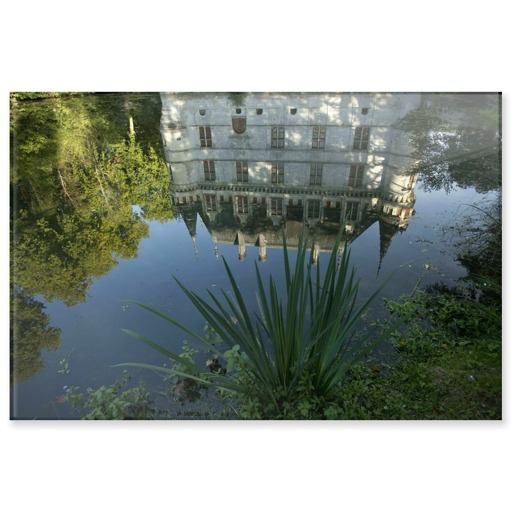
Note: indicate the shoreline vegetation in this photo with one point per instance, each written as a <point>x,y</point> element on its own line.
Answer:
<point>446,364</point>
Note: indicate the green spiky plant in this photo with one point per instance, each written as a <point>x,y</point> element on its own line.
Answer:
<point>305,336</point>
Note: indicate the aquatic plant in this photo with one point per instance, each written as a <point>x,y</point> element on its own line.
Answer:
<point>302,343</point>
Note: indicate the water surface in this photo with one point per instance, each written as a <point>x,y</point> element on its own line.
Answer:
<point>98,222</point>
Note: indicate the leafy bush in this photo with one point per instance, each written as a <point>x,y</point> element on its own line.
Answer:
<point>110,403</point>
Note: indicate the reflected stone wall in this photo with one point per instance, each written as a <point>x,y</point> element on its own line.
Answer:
<point>248,163</point>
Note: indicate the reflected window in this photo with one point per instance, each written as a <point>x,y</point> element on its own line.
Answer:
<point>318,141</point>
<point>277,136</point>
<point>355,177</point>
<point>242,204</point>
<point>313,210</point>
<point>210,202</point>
<point>351,211</point>
<point>205,136</point>
<point>277,172</point>
<point>362,134</point>
<point>276,206</point>
<point>315,177</point>
<point>209,170</point>
<point>242,172</point>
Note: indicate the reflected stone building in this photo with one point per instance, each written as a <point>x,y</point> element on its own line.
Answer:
<point>249,163</point>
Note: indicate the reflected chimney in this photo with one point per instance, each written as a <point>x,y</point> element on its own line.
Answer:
<point>316,253</point>
<point>240,241</point>
<point>262,248</point>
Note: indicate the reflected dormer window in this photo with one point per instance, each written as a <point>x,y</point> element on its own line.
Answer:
<point>205,136</point>
<point>362,134</point>
<point>318,141</point>
<point>242,204</point>
<point>351,211</point>
<point>313,208</point>
<point>277,137</point>
<point>276,206</point>
<point>211,202</point>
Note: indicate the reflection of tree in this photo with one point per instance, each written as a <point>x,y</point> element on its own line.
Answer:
<point>30,333</point>
<point>481,250</point>
<point>77,172</point>
<point>457,141</point>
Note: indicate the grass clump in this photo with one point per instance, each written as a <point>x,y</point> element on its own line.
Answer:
<point>289,360</point>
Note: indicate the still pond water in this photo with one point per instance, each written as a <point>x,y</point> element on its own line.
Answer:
<point>97,222</point>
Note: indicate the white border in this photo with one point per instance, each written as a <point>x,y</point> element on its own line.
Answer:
<point>261,46</point>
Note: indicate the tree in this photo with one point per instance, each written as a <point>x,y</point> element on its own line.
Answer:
<point>457,141</point>
<point>30,333</point>
<point>75,178</point>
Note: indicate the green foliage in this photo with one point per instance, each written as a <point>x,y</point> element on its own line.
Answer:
<point>237,98</point>
<point>184,389</point>
<point>40,95</point>
<point>299,346</point>
<point>481,245</point>
<point>30,334</point>
<point>76,172</point>
<point>448,365</point>
<point>111,403</point>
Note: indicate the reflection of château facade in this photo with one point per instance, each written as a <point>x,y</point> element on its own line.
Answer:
<point>249,162</point>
